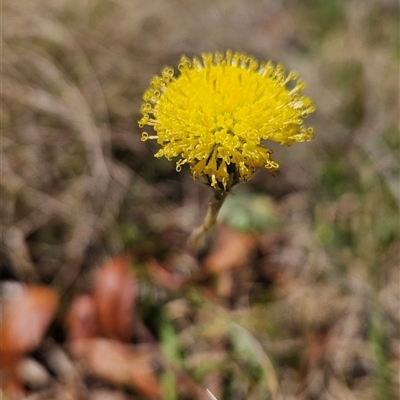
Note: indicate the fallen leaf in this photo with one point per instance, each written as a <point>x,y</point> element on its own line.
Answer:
<point>162,277</point>
<point>26,314</point>
<point>81,318</point>
<point>232,250</point>
<point>121,364</point>
<point>114,293</point>
<point>26,317</point>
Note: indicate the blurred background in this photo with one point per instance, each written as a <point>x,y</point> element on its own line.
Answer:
<point>295,295</point>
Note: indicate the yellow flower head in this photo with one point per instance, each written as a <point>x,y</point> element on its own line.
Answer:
<point>217,113</point>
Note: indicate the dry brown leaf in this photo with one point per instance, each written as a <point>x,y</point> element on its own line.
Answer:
<point>121,364</point>
<point>231,251</point>
<point>163,277</point>
<point>81,318</point>
<point>114,293</point>
<point>11,386</point>
<point>26,317</point>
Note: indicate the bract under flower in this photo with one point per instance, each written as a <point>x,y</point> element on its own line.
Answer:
<point>217,113</point>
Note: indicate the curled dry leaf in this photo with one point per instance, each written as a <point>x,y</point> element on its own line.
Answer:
<point>114,293</point>
<point>81,318</point>
<point>121,364</point>
<point>231,251</point>
<point>26,317</point>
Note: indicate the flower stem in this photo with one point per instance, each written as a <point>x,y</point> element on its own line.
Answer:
<point>214,206</point>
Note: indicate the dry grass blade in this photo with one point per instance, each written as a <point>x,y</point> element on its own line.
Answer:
<point>210,395</point>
